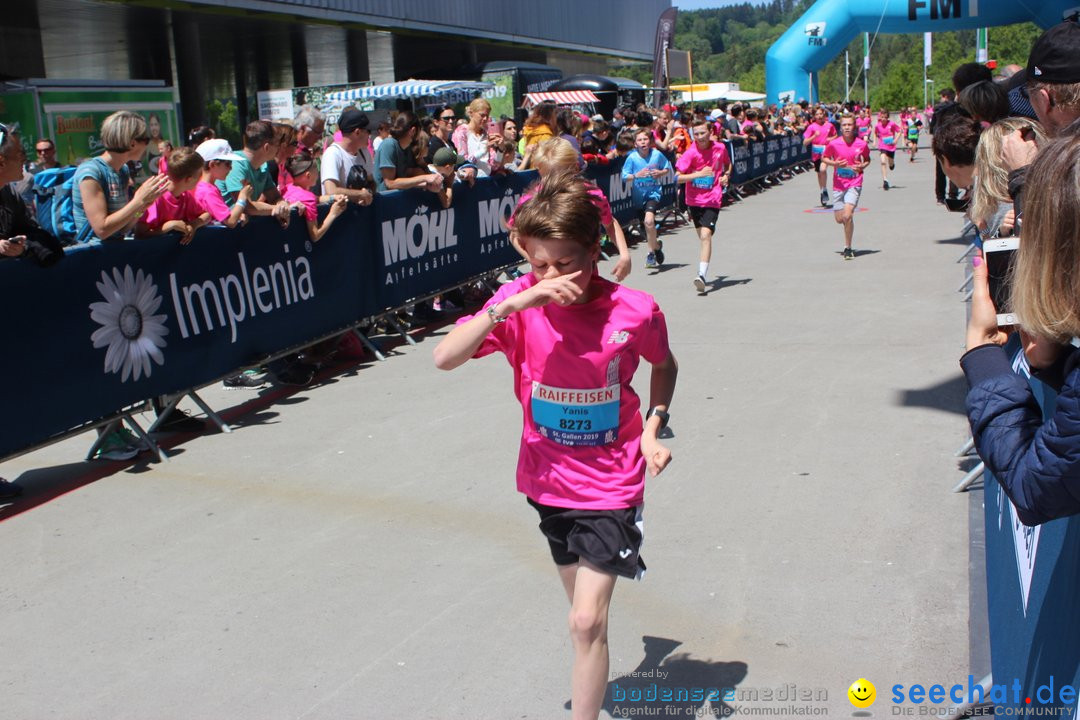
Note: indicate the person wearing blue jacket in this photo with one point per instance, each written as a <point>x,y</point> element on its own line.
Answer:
<point>1037,462</point>
<point>646,166</point>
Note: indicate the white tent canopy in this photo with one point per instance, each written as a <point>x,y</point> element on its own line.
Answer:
<point>408,89</point>
<point>705,92</point>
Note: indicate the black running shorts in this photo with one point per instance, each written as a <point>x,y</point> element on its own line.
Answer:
<point>651,206</point>
<point>704,217</point>
<point>609,539</point>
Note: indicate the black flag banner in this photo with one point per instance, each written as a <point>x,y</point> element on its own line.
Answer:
<point>665,32</point>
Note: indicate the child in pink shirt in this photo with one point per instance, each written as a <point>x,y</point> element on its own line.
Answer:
<point>705,169</point>
<point>887,133</point>
<point>558,154</point>
<point>217,158</point>
<point>816,136</point>
<point>298,194</point>
<point>848,155</point>
<point>574,341</point>
<point>177,210</point>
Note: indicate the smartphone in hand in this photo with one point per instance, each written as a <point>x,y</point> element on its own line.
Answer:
<point>1000,256</point>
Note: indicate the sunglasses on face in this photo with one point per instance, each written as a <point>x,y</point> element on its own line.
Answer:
<point>448,118</point>
<point>42,151</point>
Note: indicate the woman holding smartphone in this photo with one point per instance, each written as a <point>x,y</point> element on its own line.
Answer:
<point>478,140</point>
<point>1036,461</point>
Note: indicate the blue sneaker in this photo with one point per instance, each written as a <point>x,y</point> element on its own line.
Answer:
<point>650,261</point>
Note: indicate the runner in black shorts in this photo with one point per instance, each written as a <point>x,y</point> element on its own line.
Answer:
<point>705,169</point>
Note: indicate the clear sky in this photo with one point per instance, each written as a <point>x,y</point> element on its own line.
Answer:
<point>704,4</point>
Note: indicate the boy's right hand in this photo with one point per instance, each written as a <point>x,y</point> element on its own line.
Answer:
<point>245,192</point>
<point>560,290</point>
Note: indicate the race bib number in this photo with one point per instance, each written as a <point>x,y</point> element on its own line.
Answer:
<point>704,183</point>
<point>817,149</point>
<point>576,417</point>
<point>888,140</point>
<point>846,173</point>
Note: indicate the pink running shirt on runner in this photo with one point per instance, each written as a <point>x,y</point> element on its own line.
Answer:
<point>707,191</point>
<point>820,134</point>
<point>886,135</point>
<point>863,126</point>
<point>581,440</point>
<point>845,178</point>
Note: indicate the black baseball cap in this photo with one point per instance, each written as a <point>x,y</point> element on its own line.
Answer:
<point>1055,56</point>
<point>351,119</point>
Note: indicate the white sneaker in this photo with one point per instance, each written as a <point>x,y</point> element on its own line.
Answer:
<point>699,283</point>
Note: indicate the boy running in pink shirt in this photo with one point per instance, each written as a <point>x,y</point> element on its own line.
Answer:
<point>177,210</point>
<point>848,156</point>
<point>887,133</point>
<point>574,341</point>
<point>706,170</point>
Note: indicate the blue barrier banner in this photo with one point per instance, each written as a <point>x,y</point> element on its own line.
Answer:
<point>1032,586</point>
<point>752,160</point>
<point>423,248</point>
<point>620,194</point>
<point>112,325</point>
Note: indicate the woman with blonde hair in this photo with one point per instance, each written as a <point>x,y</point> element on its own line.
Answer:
<point>99,196</point>
<point>557,155</point>
<point>1035,460</point>
<point>990,203</point>
<point>474,142</point>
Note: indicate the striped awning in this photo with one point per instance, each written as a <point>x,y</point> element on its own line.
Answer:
<point>562,97</point>
<point>408,89</point>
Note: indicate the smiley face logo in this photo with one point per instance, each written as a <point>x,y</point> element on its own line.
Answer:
<point>862,693</point>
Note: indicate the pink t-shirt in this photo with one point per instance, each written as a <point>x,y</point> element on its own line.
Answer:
<point>599,199</point>
<point>845,178</point>
<point>294,193</point>
<point>707,191</point>
<point>820,136</point>
<point>172,207</point>
<point>209,197</point>
<point>862,124</point>
<point>886,135</point>
<point>581,440</point>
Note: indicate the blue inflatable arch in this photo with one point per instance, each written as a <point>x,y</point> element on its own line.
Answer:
<point>822,33</point>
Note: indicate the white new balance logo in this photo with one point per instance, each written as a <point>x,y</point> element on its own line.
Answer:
<point>619,336</point>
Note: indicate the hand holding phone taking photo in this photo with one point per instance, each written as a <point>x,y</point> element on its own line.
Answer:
<point>1000,255</point>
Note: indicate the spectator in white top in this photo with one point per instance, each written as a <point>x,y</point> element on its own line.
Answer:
<point>346,168</point>
<point>478,140</point>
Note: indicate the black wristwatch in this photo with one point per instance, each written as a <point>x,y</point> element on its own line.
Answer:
<point>664,417</point>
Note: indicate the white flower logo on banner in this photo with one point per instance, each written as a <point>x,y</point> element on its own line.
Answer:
<point>129,327</point>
